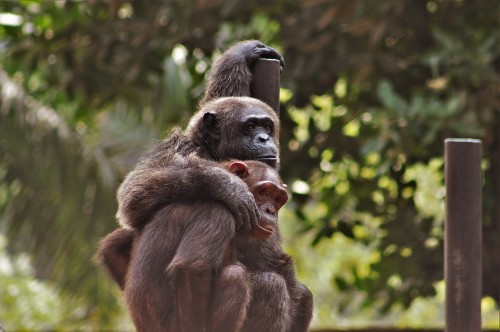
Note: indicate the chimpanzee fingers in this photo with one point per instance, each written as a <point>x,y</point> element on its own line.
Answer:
<point>245,220</point>
<point>252,218</point>
<point>248,212</point>
<point>255,216</point>
<point>241,215</point>
<point>252,50</point>
<point>241,218</point>
<point>253,212</point>
<point>267,52</point>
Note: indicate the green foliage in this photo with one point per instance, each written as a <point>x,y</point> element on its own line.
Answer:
<point>30,304</point>
<point>329,269</point>
<point>25,302</point>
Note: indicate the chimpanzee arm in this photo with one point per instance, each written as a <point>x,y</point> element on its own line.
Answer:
<point>231,75</point>
<point>145,190</point>
<point>302,303</point>
<point>301,300</point>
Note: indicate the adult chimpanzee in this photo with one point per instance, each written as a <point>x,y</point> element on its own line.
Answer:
<point>162,178</point>
<point>191,271</point>
<point>225,128</point>
<point>232,127</point>
<point>239,128</point>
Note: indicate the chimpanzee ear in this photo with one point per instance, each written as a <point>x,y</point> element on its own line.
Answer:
<point>239,169</point>
<point>209,119</point>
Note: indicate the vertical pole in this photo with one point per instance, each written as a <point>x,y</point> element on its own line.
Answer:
<point>463,219</point>
<point>266,82</point>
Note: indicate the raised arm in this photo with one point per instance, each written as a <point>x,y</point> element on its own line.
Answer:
<point>231,75</point>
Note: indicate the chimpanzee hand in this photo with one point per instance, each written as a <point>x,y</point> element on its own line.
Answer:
<point>231,75</point>
<point>234,193</point>
<point>252,50</point>
<point>244,209</point>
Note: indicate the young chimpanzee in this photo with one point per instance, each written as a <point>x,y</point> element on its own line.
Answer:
<point>278,302</point>
<point>191,271</point>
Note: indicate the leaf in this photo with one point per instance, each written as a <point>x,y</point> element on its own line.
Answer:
<point>389,98</point>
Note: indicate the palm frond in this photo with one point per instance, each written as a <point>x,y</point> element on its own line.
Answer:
<point>58,188</point>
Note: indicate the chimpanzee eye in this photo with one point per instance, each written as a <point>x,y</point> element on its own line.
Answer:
<point>269,128</point>
<point>250,127</point>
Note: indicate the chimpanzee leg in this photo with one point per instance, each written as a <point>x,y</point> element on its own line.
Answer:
<point>172,266</point>
<point>269,308</point>
<point>197,259</point>
<point>191,289</point>
<point>114,254</point>
<point>231,297</point>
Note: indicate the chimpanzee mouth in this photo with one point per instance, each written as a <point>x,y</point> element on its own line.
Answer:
<point>271,160</point>
<point>266,228</point>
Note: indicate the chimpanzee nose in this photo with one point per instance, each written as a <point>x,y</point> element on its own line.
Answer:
<point>263,138</point>
<point>270,211</point>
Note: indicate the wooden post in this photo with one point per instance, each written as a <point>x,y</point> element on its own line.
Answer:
<point>266,82</point>
<point>463,247</point>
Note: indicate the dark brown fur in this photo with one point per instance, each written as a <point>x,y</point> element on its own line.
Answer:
<point>191,271</point>
<point>215,133</point>
<point>175,169</point>
<point>234,66</point>
<point>114,253</point>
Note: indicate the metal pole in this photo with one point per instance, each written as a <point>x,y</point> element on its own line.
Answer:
<point>463,219</point>
<point>266,82</point>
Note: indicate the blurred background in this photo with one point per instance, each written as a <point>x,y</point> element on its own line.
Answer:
<point>369,92</point>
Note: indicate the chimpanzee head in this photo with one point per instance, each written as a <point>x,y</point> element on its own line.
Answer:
<point>240,128</point>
